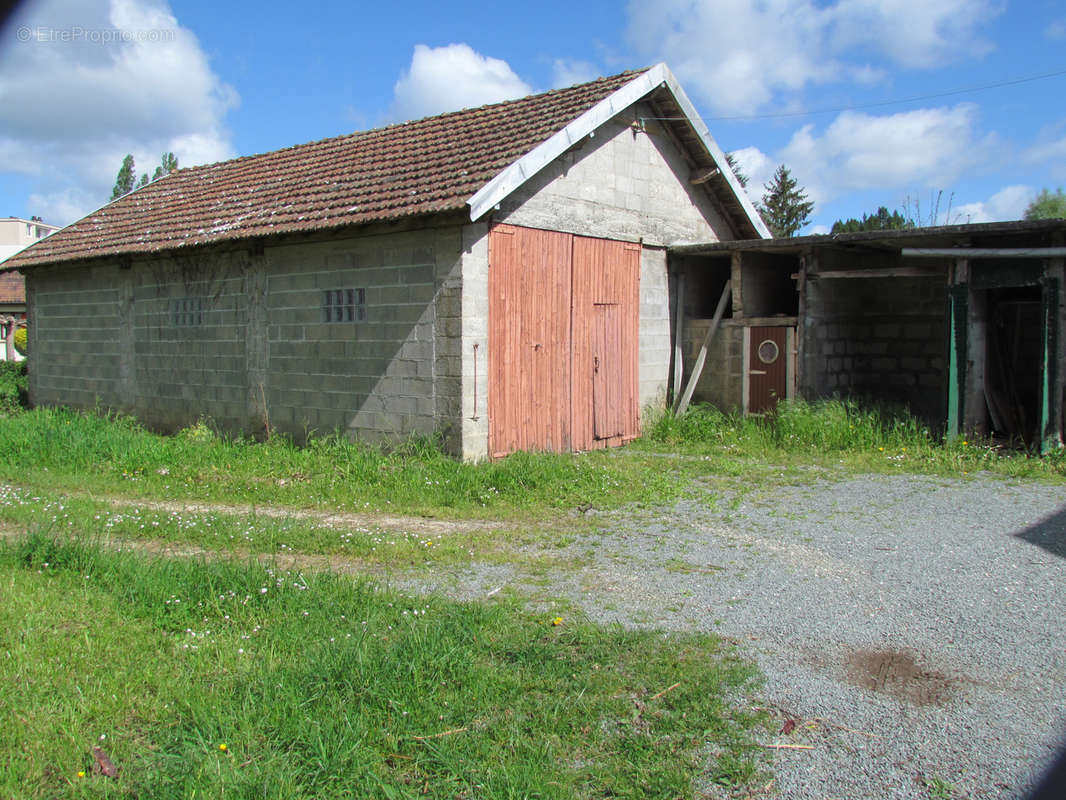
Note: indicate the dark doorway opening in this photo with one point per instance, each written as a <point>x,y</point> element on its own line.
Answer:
<point>1015,363</point>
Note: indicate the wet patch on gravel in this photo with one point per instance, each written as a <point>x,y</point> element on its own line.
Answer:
<point>897,673</point>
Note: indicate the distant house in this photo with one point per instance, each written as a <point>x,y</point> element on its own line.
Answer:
<point>496,275</point>
<point>15,234</point>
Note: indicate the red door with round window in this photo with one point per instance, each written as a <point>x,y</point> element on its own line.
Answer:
<point>767,368</point>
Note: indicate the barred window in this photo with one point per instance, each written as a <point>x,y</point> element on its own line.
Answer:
<point>187,312</point>
<point>344,305</point>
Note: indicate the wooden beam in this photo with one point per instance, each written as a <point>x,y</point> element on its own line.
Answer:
<point>697,368</point>
<point>983,252</point>
<point>886,272</point>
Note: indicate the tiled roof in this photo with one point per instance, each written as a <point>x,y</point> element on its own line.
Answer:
<point>421,167</point>
<point>12,288</point>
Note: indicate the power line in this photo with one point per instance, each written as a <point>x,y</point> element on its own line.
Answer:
<point>916,98</point>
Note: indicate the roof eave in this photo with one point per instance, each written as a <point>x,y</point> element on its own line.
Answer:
<point>514,176</point>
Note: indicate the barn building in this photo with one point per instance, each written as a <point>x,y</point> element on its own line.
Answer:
<point>497,276</point>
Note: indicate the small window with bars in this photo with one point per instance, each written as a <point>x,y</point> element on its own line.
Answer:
<point>187,312</point>
<point>344,305</point>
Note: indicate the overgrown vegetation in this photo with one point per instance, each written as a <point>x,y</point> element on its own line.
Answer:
<point>840,433</point>
<point>56,449</point>
<point>217,679</point>
<point>12,387</point>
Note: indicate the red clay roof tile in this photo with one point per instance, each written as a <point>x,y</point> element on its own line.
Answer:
<point>421,167</point>
<point>12,288</point>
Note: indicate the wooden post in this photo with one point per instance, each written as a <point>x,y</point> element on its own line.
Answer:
<point>679,350</point>
<point>975,418</point>
<point>957,319</point>
<point>1051,407</point>
<point>736,276</point>
<point>806,259</point>
<point>697,368</point>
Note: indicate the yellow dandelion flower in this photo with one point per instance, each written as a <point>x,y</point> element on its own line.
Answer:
<point>557,621</point>
<point>81,773</point>
<point>223,747</point>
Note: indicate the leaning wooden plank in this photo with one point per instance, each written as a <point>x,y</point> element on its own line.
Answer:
<point>697,368</point>
<point>679,309</point>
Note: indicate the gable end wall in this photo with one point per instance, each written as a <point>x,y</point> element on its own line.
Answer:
<point>628,182</point>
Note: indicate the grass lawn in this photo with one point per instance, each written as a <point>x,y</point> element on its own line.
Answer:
<point>64,450</point>
<point>221,679</point>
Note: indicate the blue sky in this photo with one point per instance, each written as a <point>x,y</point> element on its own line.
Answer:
<point>809,84</point>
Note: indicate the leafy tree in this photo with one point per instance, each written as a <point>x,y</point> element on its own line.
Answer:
<point>127,180</point>
<point>881,220</point>
<point>168,163</point>
<point>124,180</point>
<point>785,207</point>
<point>1047,205</point>
<point>732,162</point>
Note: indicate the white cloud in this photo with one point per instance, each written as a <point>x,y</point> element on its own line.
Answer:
<point>570,72</point>
<point>1008,203</point>
<point>450,78</point>
<point>739,55</point>
<point>757,167</point>
<point>930,147</point>
<point>1049,151</point>
<point>912,33</point>
<point>97,80</point>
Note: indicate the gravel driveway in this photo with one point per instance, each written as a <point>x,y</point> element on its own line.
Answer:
<point>914,628</point>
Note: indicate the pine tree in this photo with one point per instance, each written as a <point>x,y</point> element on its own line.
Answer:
<point>785,207</point>
<point>731,160</point>
<point>879,221</point>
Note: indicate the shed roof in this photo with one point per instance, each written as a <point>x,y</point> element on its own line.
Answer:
<point>1024,233</point>
<point>427,166</point>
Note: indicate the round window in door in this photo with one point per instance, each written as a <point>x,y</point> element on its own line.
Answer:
<point>768,351</point>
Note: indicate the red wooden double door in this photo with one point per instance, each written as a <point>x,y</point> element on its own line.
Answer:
<point>563,341</point>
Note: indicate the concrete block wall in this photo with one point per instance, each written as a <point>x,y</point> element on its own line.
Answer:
<point>242,339</point>
<point>474,424</point>
<point>722,380</point>
<point>188,332</point>
<point>627,182</point>
<point>75,328</point>
<point>374,378</point>
<point>656,340</point>
<point>878,337</point>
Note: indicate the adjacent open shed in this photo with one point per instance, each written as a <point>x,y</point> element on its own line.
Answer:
<point>961,324</point>
<point>497,276</point>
